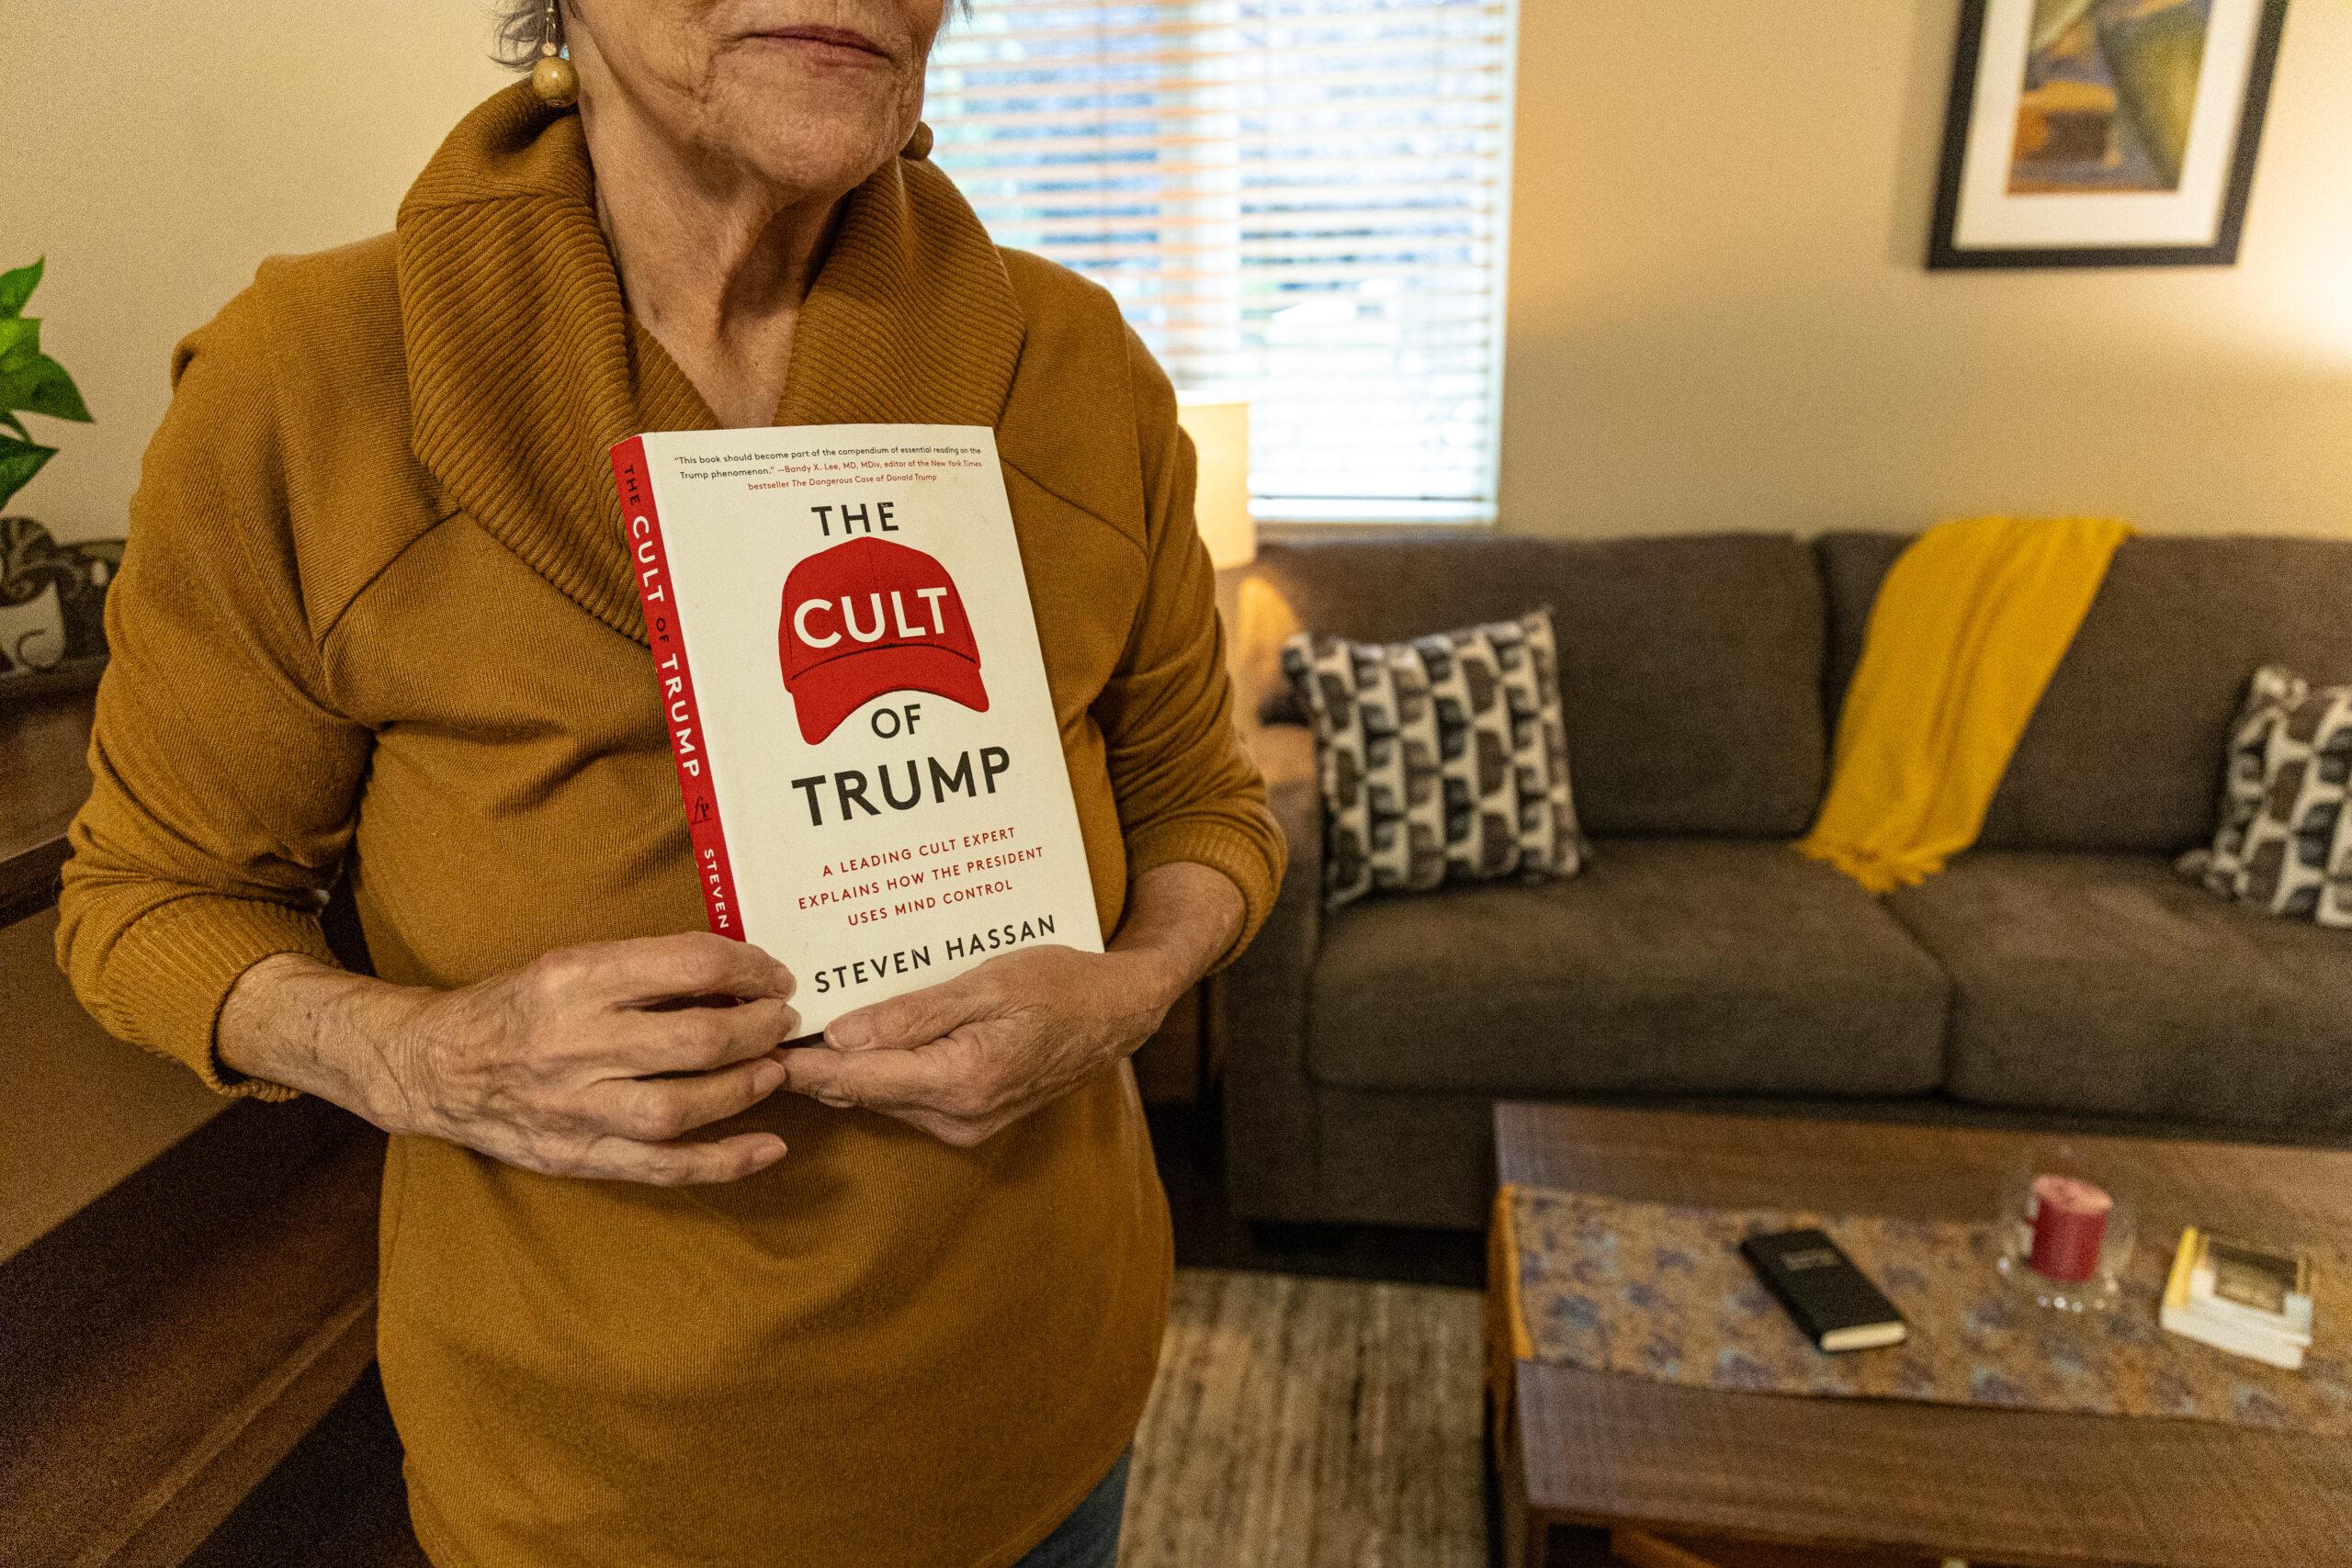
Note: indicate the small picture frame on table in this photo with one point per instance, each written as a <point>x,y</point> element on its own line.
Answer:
<point>2103,132</point>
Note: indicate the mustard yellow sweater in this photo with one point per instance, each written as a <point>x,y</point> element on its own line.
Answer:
<point>376,615</point>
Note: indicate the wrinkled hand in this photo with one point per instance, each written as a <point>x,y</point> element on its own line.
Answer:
<point>591,1061</point>
<point>964,1059</point>
<point>551,1067</point>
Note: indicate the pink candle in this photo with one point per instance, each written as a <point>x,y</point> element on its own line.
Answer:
<point>2069,1220</point>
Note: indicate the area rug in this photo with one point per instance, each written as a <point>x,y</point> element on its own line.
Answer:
<point>1661,1290</point>
<point>1301,1422</point>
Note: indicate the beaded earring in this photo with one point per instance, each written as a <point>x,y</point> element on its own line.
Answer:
<point>553,78</point>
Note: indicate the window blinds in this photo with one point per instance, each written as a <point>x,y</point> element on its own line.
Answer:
<point>1301,202</point>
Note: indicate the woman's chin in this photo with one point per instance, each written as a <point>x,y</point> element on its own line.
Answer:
<point>791,148</point>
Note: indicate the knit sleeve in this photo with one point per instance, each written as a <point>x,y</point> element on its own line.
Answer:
<point>1186,787</point>
<point>225,783</point>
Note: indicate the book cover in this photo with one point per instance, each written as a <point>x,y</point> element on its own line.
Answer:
<point>865,744</point>
<point>1833,1301</point>
<point>2191,1309</point>
<point>2265,1290</point>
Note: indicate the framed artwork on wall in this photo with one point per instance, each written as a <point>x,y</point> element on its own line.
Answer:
<point>2103,132</point>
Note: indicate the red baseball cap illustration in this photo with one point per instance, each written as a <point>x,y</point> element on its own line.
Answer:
<point>870,616</point>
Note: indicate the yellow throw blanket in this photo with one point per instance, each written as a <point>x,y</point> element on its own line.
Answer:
<point>1966,631</point>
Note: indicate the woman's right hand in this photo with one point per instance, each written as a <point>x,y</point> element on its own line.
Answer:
<point>563,1067</point>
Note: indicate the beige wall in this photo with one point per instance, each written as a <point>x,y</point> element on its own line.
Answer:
<point>1718,315</point>
<point>1719,318</point>
<point>156,153</point>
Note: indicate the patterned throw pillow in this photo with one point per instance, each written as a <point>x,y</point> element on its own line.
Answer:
<point>2286,835</point>
<point>1442,759</point>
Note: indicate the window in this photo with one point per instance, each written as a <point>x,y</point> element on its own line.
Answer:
<point>1301,202</point>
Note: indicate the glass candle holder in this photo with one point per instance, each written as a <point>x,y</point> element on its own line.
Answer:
<point>2065,1234</point>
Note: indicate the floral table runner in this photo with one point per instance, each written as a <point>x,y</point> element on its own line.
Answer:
<point>1661,1292</point>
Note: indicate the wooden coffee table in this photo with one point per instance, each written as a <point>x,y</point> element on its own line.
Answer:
<point>1577,1449</point>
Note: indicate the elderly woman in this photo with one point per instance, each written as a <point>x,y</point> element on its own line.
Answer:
<point>377,621</point>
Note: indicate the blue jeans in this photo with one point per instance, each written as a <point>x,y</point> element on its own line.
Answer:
<point>1089,1537</point>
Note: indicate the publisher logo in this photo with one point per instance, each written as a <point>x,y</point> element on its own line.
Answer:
<point>868,617</point>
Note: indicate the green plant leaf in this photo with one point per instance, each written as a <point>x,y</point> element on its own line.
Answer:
<point>13,422</point>
<point>50,391</point>
<point>19,461</point>
<point>20,358</point>
<point>17,286</point>
<point>19,341</point>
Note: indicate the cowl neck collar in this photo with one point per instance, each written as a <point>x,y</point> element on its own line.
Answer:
<point>525,366</point>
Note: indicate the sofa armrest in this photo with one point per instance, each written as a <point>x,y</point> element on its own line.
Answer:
<point>1262,698</point>
<point>1286,753</point>
<point>1287,942</point>
<point>1261,1004</point>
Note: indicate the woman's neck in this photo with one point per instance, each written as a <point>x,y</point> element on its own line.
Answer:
<point>713,261</point>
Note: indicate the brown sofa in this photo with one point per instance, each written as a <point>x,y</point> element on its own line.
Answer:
<point>2059,975</point>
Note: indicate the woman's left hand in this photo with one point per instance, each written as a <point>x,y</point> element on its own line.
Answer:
<point>964,1059</point>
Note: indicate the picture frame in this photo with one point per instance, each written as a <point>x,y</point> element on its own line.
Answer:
<point>2102,132</point>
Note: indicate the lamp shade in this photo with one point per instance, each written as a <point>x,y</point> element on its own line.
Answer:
<point>1220,430</point>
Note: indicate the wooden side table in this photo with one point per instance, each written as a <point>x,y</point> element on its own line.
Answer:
<point>183,1288</point>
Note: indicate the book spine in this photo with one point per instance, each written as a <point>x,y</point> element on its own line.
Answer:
<point>642,522</point>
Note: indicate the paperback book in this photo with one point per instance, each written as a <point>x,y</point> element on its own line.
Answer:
<point>856,702</point>
<point>2235,1296</point>
<point>1833,1303</point>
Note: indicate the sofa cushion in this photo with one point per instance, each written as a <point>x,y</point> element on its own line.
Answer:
<point>1690,667</point>
<point>2107,983</point>
<point>2285,841</point>
<point>1852,566</point>
<point>2125,749</point>
<point>1671,965</point>
<point>1442,759</point>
